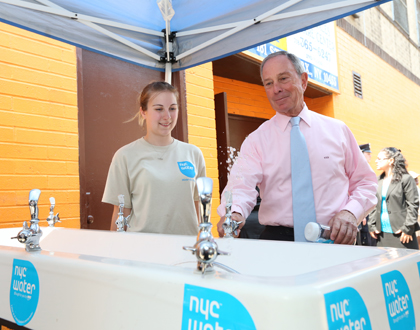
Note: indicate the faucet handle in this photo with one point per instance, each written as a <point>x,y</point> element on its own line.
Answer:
<point>57,218</point>
<point>127,220</point>
<point>186,248</point>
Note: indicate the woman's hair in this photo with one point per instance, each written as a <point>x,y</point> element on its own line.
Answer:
<point>398,168</point>
<point>150,91</point>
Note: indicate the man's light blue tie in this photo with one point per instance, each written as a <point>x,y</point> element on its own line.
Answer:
<point>302,191</point>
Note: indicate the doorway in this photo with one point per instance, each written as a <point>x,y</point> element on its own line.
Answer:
<point>108,89</point>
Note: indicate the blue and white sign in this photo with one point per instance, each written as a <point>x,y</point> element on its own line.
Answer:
<point>399,305</point>
<point>187,169</point>
<point>24,291</point>
<point>346,310</point>
<point>317,50</point>
<point>264,50</point>
<point>207,309</point>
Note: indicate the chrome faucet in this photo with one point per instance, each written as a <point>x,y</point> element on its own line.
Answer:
<point>205,249</point>
<point>53,219</point>
<point>30,235</point>
<point>122,221</point>
<point>230,226</point>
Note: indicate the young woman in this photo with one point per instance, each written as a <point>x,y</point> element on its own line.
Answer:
<point>156,174</point>
<point>394,220</point>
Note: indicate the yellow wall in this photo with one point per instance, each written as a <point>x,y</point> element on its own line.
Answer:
<point>389,113</point>
<point>38,127</point>
<point>202,125</point>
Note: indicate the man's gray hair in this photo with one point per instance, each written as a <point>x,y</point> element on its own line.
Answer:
<point>297,63</point>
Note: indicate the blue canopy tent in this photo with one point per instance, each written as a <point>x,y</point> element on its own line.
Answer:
<point>173,35</point>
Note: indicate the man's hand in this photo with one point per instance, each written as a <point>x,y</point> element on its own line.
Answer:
<point>404,237</point>
<point>343,228</point>
<point>235,216</point>
<point>374,234</point>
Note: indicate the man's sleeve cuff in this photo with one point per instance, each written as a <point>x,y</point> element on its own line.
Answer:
<point>355,208</point>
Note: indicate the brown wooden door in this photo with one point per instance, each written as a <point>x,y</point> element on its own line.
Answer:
<point>231,132</point>
<point>107,96</point>
<point>240,127</point>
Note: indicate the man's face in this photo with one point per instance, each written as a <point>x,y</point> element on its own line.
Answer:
<point>283,86</point>
<point>368,156</point>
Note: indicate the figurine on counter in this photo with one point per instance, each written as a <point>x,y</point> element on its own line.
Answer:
<point>157,173</point>
<point>308,167</point>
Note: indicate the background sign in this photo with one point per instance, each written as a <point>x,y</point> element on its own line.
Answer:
<point>315,47</point>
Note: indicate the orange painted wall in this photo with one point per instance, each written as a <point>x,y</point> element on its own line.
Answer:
<point>250,100</point>
<point>38,127</point>
<point>202,125</point>
<point>244,99</point>
<point>389,113</point>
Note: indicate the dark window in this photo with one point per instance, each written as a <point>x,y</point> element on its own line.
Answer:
<point>357,83</point>
<point>400,14</point>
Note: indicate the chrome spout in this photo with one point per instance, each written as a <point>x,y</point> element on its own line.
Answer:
<point>33,203</point>
<point>205,190</point>
<point>52,219</point>
<point>30,235</point>
<point>122,222</point>
<point>230,226</point>
<point>205,249</point>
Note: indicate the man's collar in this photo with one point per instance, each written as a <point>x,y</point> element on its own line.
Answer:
<point>283,120</point>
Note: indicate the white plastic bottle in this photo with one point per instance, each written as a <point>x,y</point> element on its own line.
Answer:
<point>317,233</point>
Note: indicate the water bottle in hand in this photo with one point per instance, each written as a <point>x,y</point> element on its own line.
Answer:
<point>317,233</point>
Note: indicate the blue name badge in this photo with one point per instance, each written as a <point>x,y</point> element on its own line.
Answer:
<point>346,310</point>
<point>213,310</point>
<point>398,303</point>
<point>187,169</point>
<point>24,291</point>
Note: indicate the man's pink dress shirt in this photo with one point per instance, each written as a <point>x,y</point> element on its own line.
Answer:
<point>341,177</point>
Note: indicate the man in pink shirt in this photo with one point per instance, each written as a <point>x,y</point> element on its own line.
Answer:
<point>344,185</point>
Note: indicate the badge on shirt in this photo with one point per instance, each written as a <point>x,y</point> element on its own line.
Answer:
<point>187,169</point>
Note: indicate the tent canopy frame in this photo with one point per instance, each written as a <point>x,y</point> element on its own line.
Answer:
<point>274,14</point>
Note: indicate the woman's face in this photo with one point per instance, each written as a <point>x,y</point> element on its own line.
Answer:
<point>383,163</point>
<point>161,114</point>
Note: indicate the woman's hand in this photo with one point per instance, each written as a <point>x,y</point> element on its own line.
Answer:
<point>404,238</point>
<point>374,234</point>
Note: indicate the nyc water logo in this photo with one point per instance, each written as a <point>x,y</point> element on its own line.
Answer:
<point>346,310</point>
<point>207,309</point>
<point>24,291</point>
<point>399,305</point>
<point>187,169</point>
